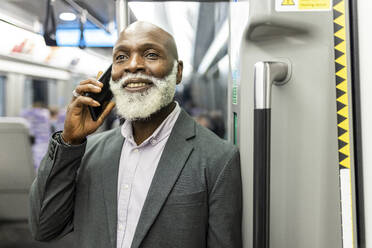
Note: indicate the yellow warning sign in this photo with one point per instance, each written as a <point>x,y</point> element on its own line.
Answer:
<point>314,4</point>
<point>288,2</point>
<point>303,5</point>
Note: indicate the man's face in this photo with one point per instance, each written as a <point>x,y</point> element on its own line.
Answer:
<point>144,72</point>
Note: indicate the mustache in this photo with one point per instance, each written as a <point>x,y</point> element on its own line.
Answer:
<point>136,78</point>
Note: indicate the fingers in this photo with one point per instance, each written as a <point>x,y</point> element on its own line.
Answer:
<point>91,81</point>
<point>105,112</point>
<point>88,85</point>
<point>84,100</point>
<point>83,88</point>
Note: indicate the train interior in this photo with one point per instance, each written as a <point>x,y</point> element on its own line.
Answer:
<point>320,189</point>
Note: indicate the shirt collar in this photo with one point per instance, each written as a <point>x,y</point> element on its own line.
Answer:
<point>160,133</point>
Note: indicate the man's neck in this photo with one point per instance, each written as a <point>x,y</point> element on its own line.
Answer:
<point>142,129</point>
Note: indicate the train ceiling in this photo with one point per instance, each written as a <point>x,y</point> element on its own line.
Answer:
<point>190,22</point>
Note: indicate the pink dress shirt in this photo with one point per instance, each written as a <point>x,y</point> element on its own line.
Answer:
<point>136,170</point>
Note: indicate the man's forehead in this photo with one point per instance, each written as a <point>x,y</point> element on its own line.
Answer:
<point>140,33</point>
<point>140,42</point>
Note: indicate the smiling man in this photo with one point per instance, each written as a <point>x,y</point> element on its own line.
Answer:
<point>160,180</point>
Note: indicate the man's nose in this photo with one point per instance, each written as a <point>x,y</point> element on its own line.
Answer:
<point>135,64</point>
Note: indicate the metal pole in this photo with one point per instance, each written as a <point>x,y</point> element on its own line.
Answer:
<point>266,73</point>
<point>121,15</point>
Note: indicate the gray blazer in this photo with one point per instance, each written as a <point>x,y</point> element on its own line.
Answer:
<point>195,198</point>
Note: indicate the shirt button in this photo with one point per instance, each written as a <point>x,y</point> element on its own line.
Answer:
<point>126,186</point>
<point>121,226</point>
<point>153,141</point>
<point>135,150</point>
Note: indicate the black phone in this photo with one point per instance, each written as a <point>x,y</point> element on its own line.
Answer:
<point>102,97</point>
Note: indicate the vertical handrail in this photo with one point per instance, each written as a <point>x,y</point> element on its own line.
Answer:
<point>266,73</point>
<point>261,189</point>
<point>122,15</point>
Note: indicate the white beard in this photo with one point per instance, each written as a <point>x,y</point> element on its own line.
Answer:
<point>141,105</point>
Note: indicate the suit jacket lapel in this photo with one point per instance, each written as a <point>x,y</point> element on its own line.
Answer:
<point>172,161</point>
<point>110,169</point>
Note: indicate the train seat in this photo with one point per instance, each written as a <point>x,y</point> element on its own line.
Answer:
<point>16,168</point>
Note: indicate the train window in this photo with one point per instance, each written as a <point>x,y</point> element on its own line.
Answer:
<point>2,95</point>
<point>40,92</point>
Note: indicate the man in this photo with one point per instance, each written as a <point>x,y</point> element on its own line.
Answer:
<point>158,181</point>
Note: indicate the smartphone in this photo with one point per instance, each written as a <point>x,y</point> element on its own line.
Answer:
<point>102,97</point>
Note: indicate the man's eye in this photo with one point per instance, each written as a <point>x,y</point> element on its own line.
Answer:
<point>121,57</point>
<point>152,56</point>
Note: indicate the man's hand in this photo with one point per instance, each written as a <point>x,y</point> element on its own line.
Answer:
<point>79,123</point>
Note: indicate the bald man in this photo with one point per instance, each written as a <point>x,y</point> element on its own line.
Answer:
<point>160,180</point>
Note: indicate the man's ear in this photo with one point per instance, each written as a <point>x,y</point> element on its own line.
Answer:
<point>179,71</point>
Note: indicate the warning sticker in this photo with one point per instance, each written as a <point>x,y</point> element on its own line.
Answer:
<point>303,5</point>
